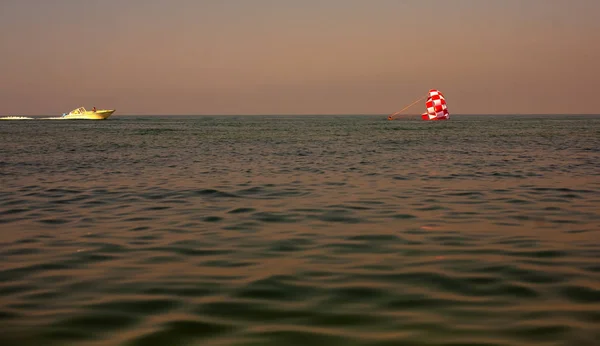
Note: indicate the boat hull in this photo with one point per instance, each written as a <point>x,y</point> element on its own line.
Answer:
<point>91,115</point>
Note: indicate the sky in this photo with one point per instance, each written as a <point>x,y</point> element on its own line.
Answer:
<point>298,56</point>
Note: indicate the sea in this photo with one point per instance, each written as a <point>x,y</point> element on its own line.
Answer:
<point>301,230</point>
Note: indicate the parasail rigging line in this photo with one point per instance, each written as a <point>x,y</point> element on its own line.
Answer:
<point>407,107</point>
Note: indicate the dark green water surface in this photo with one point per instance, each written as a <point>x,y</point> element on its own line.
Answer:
<point>300,230</point>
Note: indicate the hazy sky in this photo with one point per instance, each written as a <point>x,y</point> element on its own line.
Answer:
<point>298,56</point>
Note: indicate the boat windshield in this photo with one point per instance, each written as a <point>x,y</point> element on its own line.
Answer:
<point>79,110</point>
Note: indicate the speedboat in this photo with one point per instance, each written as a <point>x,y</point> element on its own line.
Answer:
<point>82,113</point>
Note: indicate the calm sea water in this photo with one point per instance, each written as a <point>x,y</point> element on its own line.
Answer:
<point>306,230</point>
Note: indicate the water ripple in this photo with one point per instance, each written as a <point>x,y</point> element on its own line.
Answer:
<point>300,230</point>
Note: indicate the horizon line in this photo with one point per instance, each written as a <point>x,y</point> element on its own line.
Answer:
<point>336,114</point>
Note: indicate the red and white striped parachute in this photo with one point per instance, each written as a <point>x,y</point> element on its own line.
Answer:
<point>437,109</point>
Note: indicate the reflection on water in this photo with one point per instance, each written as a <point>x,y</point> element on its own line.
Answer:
<point>344,230</point>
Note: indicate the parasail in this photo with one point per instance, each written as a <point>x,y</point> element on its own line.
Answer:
<point>436,106</point>
<point>437,109</point>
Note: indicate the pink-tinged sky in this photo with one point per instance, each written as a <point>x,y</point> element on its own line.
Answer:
<point>298,56</point>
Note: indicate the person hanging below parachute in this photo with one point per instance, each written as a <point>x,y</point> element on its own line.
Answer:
<point>437,108</point>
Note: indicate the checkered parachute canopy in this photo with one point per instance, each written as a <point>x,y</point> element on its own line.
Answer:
<point>437,109</point>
